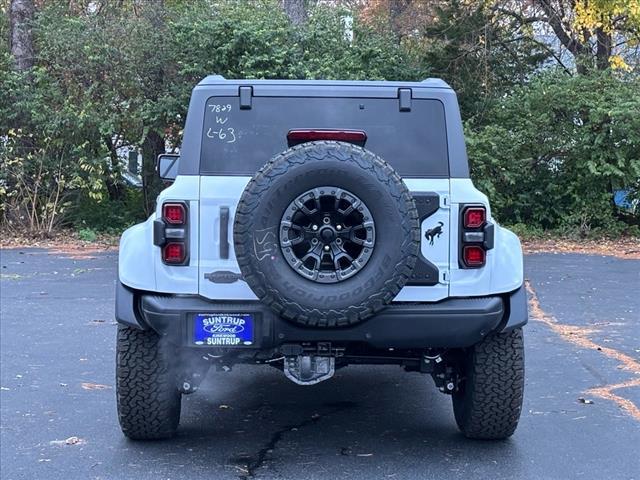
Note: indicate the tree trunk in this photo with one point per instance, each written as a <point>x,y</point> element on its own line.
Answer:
<point>153,143</point>
<point>21,35</point>
<point>603,49</point>
<point>152,146</point>
<point>112,176</point>
<point>295,10</point>
<point>568,38</point>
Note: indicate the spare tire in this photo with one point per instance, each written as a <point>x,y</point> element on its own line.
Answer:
<point>326,234</point>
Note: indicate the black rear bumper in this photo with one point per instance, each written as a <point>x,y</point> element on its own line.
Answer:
<point>451,323</point>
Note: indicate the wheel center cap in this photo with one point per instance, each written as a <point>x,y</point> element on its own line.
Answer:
<point>327,234</point>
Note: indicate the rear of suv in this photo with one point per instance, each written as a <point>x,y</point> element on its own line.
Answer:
<point>311,225</point>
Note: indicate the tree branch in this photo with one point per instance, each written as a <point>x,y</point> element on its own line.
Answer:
<point>555,22</point>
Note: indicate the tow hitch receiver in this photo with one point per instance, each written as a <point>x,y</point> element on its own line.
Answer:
<point>309,369</point>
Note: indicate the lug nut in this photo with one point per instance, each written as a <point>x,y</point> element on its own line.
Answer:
<point>338,227</point>
<point>450,386</point>
<point>314,241</point>
<point>326,220</point>
<point>327,248</point>
<point>314,227</point>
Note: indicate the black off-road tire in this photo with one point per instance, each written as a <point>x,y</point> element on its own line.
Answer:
<point>489,403</point>
<point>279,182</point>
<point>147,394</point>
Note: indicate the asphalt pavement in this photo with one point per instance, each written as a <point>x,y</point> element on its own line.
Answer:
<point>581,416</point>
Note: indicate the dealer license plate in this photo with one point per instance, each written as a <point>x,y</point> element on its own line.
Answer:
<point>223,329</point>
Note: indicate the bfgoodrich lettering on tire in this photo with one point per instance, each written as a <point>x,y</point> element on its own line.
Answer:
<point>489,403</point>
<point>326,234</point>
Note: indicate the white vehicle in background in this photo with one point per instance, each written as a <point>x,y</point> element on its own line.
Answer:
<point>312,225</point>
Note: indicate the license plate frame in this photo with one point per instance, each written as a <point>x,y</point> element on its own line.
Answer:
<point>223,329</point>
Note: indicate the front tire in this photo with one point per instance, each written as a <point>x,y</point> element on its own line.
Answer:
<point>489,402</point>
<point>146,386</point>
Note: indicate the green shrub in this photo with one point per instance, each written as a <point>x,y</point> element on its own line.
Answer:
<point>108,216</point>
<point>121,77</point>
<point>549,152</point>
<point>556,149</point>
<point>87,234</point>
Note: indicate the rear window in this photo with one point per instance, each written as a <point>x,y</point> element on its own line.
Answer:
<point>240,142</point>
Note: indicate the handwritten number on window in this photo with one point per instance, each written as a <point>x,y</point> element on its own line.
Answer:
<point>215,108</point>
<point>227,135</point>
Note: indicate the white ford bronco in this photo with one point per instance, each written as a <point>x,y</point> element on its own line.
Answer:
<point>315,224</point>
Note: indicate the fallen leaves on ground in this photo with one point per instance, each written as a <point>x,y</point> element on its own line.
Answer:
<point>69,441</point>
<point>95,386</point>
<point>63,243</point>
<point>621,248</point>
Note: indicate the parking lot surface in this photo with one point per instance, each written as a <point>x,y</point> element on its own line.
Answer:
<point>581,416</point>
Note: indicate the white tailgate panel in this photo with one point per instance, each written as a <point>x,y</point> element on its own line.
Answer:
<point>216,192</point>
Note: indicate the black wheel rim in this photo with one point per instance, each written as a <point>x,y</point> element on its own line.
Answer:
<point>327,234</point>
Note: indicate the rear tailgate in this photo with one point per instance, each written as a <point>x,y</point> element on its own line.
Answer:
<point>243,132</point>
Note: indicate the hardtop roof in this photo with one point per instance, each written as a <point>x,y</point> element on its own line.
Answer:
<point>427,83</point>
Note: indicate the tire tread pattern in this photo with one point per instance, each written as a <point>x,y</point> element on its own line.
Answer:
<point>148,399</point>
<point>490,405</point>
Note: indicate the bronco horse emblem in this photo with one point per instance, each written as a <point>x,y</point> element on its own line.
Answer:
<point>434,233</point>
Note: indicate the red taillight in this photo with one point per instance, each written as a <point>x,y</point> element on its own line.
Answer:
<point>473,255</point>
<point>171,233</point>
<point>474,217</point>
<point>173,252</point>
<point>174,213</point>
<point>295,137</point>
<point>476,236</point>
